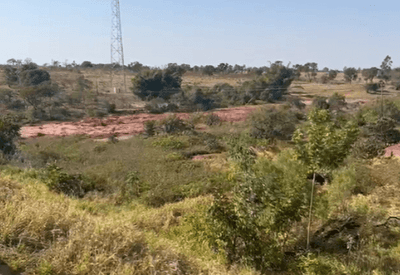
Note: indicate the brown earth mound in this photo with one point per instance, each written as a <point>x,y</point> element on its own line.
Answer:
<point>120,125</point>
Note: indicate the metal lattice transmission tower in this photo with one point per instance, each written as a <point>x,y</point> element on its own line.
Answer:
<point>117,50</point>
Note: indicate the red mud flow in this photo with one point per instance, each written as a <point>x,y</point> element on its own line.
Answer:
<point>120,125</point>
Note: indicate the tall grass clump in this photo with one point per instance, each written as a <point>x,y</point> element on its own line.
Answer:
<point>43,233</point>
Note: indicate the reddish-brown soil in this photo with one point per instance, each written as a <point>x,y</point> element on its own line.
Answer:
<point>120,125</point>
<point>395,150</point>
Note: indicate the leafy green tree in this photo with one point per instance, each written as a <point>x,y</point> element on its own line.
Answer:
<point>350,74</point>
<point>174,68</point>
<point>370,73</point>
<point>332,74</point>
<point>12,61</point>
<point>386,68</point>
<point>323,144</point>
<point>86,64</point>
<point>311,69</point>
<point>135,66</point>
<point>208,70</point>
<point>222,67</point>
<point>252,223</point>
<point>156,83</point>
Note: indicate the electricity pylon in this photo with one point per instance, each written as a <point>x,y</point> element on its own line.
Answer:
<point>117,50</point>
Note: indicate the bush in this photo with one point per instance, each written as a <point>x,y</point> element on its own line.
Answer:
<point>372,87</point>
<point>9,133</point>
<point>10,100</point>
<point>324,79</point>
<point>201,102</point>
<point>273,124</point>
<point>350,74</point>
<point>368,148</point>
<point>150,128</point>
<point>212,120</point>
<point>86,64</point>
<point>320,103</point>
<point>61,182</point>
<point>336,102</point>
<point>34,77</point>
<point>133,187</point>
<point>265,204</point>
<point>384,129</point>
<point>11,75</point>
<point>169,142</point>
<point>172,125</point>
<point>156,84</point>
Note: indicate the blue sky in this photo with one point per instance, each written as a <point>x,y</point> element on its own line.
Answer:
<point>332,33</point>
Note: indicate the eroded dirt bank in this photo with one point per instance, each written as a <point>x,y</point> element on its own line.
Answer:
<point>120,125</point>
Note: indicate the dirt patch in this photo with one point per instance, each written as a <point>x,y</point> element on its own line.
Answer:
<point>120,125</point>
<point>395,150</point>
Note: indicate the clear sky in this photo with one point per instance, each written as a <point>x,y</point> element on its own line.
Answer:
<point>252,32</point>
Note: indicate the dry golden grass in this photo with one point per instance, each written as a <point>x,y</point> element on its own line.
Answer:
<point>45,233</point>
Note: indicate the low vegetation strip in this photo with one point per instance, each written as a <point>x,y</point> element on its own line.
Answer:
<point>120,125</point>
<point>46,233</point>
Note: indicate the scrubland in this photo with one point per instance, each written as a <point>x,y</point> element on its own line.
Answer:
<point>205,195</point>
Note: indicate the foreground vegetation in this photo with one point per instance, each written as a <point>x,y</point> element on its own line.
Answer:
<point>295,189</point>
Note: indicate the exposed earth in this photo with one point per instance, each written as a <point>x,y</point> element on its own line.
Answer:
<point>127,126</point>
<point>120,126</point>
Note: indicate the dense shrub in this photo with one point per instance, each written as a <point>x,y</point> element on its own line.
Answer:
<point>172,125</point>
<point>372,87</point>
<point>336,102</point>
<point>11,101</point>
<point>86,64</point>
<point>246,224</point>
<point>320,103</point>
<point>34,77</point>
<point>273,124</point>
<point>156,83</point>
<point>61,182</point>
<point>9,133</point>
<point>150,128</point>
<point>201,102</point>
<point>368,148</point>
<point>11,75</point>
<point>212,120</point>
<point>384,129</point>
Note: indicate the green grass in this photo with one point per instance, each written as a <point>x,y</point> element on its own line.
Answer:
<point>167,178</point>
